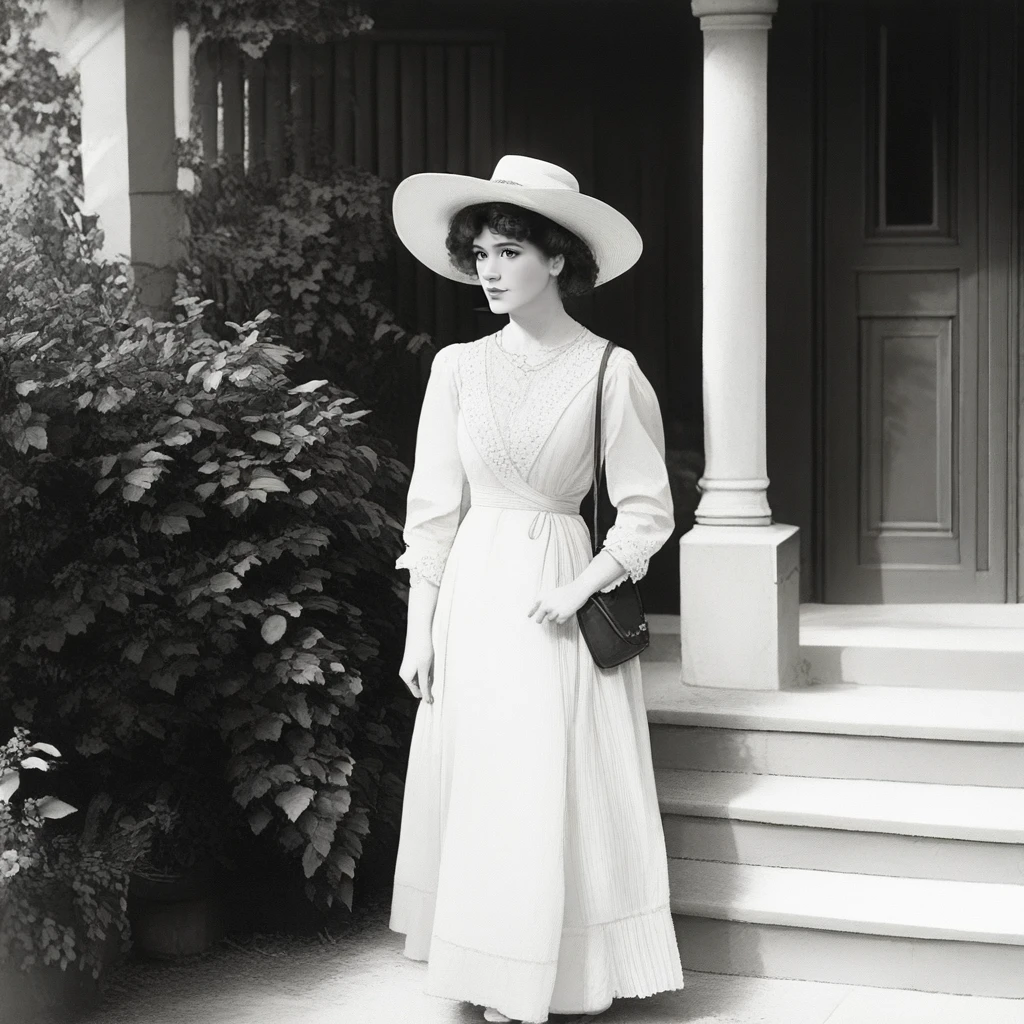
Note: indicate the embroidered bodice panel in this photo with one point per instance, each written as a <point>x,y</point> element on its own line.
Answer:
<point>528,403</point>
<point>487,423</point>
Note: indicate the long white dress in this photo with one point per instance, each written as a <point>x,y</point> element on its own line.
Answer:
<point>531,871</point>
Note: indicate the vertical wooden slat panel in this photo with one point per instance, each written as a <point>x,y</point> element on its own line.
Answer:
<point>498,99</point>
<point>301,87</point>
<point>344,104</point>
<point>323,113</point>
<point>653,228</point>
<point>412,109</point>
<point>206,98</point>
<point>433,90</point>
<point>387,112</point>
<point>257,112</point>
<point>418,290</point>
<point>517,64</point>
<point>414,289</point>
<point>457,160</point>
<point>458,150</point>
<point>366,125</point>
<point>277,108</point>
<point>616,182</point>
<point>481,112</point>
<point>443,326</point>
<point>232,85</point>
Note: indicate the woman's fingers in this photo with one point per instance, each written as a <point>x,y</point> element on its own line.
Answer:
<point>426,683</point>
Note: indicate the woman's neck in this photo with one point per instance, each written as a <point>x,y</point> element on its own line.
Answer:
<point>547,327</point>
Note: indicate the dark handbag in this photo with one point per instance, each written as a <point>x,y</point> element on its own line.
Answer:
<point>613,624</point>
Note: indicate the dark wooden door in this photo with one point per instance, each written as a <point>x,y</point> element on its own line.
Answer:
<point>917,266</point>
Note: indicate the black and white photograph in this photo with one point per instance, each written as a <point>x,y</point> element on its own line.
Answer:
<point>511,510</point>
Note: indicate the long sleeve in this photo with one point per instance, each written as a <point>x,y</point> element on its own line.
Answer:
<point>435,500</point>
<point>637,479</point>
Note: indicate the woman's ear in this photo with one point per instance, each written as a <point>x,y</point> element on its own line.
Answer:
<point>556,265</point>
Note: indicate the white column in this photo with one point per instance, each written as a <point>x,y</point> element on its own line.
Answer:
<point>735,481</point>
<point>739,572</point>
<point>124,53</point>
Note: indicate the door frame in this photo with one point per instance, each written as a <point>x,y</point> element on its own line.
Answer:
<point>1012,49</point>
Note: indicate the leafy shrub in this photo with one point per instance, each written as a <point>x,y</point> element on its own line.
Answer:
<point>254,23</point>
<point>317,251</point>
<point>200,574</point>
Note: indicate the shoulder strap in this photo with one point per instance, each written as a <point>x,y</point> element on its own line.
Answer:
<point>598,450</point>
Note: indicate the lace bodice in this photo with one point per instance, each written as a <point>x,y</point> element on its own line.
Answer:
<point>527,403</point>
<point>488,421</point>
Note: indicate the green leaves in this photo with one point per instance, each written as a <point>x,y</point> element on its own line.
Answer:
<point>51,807</point>
<point>10,780</point>
<point>294,800</point>
<point>224,581</point>
<point>274,628</point>
<point>307,388</point>
<point>253,24</point>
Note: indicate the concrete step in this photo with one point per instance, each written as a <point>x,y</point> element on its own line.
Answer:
<point>934,646</point>
<point>905,808</point>
<point>827,755</point>
<point>970,833</point>
<point>905,712</point>
<point>939,936</point>
<point>950,737</point>
<point>735,841</point>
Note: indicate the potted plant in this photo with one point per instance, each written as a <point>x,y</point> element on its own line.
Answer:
<point>175,904</point>
<point>62,893</point>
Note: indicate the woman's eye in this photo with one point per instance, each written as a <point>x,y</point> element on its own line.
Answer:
<point>512,252</point>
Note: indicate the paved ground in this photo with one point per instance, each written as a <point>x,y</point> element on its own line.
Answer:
<point>363,978</point>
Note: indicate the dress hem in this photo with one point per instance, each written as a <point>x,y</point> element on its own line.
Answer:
<point>632,957</point>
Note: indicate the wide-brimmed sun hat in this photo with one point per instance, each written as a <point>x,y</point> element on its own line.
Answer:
<point>424,205</point>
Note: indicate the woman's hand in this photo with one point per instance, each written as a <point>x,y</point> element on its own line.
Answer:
<point>559,604</point>
<point>417,666</point>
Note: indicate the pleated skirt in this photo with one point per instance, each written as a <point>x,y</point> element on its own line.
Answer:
<point>531,872</point>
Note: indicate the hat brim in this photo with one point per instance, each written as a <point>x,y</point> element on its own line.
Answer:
<point>424,205</point>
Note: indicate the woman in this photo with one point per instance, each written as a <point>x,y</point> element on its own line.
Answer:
<point>531,868</point>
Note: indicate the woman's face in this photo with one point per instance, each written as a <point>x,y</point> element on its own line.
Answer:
<point>513,274</point>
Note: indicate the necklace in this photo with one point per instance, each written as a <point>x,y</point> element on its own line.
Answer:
<point>522,362</point>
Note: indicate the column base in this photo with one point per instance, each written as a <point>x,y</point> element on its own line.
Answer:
<point>739,606</point>
<point>734,502</point>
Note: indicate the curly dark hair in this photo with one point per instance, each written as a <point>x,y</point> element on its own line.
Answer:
<point>577,277</point>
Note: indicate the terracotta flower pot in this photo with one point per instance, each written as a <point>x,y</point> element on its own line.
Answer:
<point>175,915</point>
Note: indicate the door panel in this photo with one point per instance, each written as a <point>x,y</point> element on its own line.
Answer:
<point>915,480</point>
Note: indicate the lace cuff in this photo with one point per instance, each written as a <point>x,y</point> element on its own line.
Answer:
<point>630,551</point>
<point>423,566</point>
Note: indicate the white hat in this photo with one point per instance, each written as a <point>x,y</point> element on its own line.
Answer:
<point>424,205</point>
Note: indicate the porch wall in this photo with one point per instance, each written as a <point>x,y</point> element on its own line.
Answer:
<point>792,457</point>
<point>611,90</point>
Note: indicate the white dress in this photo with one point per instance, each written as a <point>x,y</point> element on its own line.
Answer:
<point>531,871</point>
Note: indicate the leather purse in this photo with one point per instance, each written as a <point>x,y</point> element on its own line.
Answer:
<point>613,624</point>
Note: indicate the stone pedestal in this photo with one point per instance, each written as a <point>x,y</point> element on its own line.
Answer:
<point>739,606</point>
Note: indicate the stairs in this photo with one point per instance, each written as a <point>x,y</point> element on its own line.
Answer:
<point>848,831</point>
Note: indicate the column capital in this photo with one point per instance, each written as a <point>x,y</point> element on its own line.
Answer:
<point>734,14</point>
